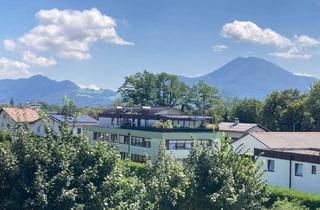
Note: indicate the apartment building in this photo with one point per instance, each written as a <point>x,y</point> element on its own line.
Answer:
<point>138,135</point>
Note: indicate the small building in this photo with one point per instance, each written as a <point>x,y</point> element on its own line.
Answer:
<point>76,123</point>
<point>11,118</point>
<point>236,130</point>
<point>294,168</point>
<point>136,132</point>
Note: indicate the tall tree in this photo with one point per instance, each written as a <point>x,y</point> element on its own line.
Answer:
<point>11,102</point>
<point>169,90</point>
<point>223,179</point>
<point>313,102</point>
<point>247,110</point>
<point>286,111</point>
<point>139,88</point>
<point>204,97</point>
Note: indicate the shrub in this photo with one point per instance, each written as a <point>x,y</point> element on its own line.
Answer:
<point>310,200</point>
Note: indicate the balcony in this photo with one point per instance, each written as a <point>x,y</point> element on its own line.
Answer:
<point>155,129</point>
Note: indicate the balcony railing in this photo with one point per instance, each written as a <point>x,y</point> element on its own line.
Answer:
<point>154,129</point>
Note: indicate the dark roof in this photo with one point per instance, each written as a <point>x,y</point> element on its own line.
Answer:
<point>310,155</point>
<point>155,113</point>
<point>80,119</point>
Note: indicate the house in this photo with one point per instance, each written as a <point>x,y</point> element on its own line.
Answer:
<point>136,131</point>
<point>11,118</point>
<point>236,130</point>
<point>76,123</point>
<point>268,140</point>
<point>294,168</point>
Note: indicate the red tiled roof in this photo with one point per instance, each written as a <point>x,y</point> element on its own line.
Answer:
<point>22,115</point>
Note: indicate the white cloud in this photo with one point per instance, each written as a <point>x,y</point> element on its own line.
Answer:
<point>31,58</point>
<point>219,47</point>
<point>306,41</point>
<point>68,34</point>
<point>303,74</point>
<point>10,69</point>
<point>249,31</point>
<point>292,53</point>
<point>90,86</point>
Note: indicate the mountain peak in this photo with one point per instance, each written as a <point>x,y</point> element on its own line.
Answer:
<point>252,77</point>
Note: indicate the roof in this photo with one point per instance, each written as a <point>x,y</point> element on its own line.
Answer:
<point>22,115</point>
<point>293,140</point>
<point>311,155</point>
<point>165,113</point>
<point>238,127</point>
<point>81,119</point>
<point>143,111</point>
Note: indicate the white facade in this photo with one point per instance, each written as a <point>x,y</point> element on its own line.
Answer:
<point>307,182</point>
<point>8,124</point>
<point>248,143</point>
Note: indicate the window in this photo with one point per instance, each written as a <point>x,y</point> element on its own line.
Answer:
<point>298,169</point>
<point>79,131</point>
<point>313,169</point>
<point>140,142</point>
<point>39,128</point>
<point>123,155</point>
<point>100,136</point>
<point>8,126</point>
<point>270,165</point>
<point>138,158</point>
<point>179,144</point>
<point>124,140</point>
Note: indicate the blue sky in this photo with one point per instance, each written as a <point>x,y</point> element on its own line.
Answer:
<point>183,37</point>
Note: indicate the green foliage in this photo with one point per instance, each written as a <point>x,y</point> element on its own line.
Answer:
<point>163,124</point>
<point>11,102</point>
<point>285,205</point>
<point>286,111</point>
<point>168,182</point>
<point>204,97</point>
<point>310,200</point>
<point>247,110</point>
<point>223,179</point>
<point>313,103</point>
<point>69,108</point>
<point>64,172</point>
<point>145,88</point>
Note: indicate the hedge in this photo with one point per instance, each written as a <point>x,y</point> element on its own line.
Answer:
<point>310,200</point>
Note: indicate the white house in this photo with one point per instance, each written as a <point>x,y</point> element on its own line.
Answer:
<point>10,118</point>
<point>236,130</point>
<point>76,123</point>
<point>297,169</point>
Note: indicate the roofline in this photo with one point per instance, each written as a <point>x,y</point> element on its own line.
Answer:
<point>2,109</point>
<point>253,137</point>
<point>287,155</point>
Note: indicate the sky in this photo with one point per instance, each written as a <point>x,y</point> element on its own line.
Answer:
<point>96,43</point>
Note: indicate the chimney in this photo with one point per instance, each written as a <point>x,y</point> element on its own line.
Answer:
<point>236,121</point>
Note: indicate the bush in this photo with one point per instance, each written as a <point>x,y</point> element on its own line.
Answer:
<point>285,205</point>
<point>310,200</point>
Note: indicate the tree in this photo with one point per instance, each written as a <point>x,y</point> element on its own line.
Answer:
<point>223,179</point>
<point>247,110</point>
<point>168,182</point>
<point>69,108</point>
<point>169,90</point>
<point>139,88</point>
<point>286,111</point>
<point>204,97</point>
<point>11,102</point>
<point>313,102</point>
<point>64,172</point>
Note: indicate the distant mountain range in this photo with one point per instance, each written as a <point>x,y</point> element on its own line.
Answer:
<point>242,77</point>
<point>251,77</point>
<point>41,88</point>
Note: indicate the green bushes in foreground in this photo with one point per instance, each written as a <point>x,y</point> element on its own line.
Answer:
<point>310,200</point>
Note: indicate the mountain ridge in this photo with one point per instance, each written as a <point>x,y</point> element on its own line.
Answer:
<point>251,77</point>
<point>51,91</point>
